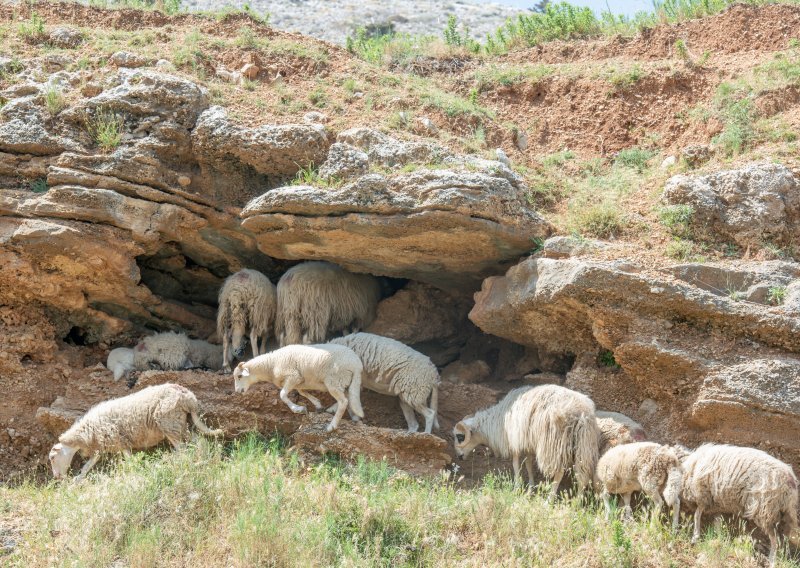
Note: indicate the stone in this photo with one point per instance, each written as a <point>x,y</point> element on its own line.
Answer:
<point>129,60</point>
<point>315,117</point>
<point>344,162</point>
<point>697,154</point>
<point>460,373</point>
<point>757,203</point>
<point>250,71</point>
<point>65,38</point>
<point>668,162</point>
<point>448,228</point>
<point>426,126</point>
<point>184,181</point>
<point>520,139</point>
<point>502,157</point>
<point>164,65</point>
<point>386,151</point>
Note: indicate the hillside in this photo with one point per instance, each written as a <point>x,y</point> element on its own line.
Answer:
<point>608,205</point>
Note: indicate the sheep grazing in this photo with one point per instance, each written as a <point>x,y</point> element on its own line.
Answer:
<point>551,424</point>
<point>742,481</point>
<point>247,303</point>
<point>317,300</point>
<point>167,351</point>
<point>332,368</point>
<point>394,369</point>
<point>616,429</point>
<point>134,422</point>
<point>120,362</point>
<point>641,466</point>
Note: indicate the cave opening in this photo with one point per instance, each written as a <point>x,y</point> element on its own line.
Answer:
<point>77,336</point>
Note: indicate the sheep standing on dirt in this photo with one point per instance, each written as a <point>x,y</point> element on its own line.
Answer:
<point>641,466</point>
<point>616,429</point>
<point>551,424</point>
<point>394,369</point>
<point>120,362</point>
<point>318,299</point>
<point>166,351</point>
<point>332,368</point>
<point>137,421</point>
<point>742,481</point>
<point>247,303</point>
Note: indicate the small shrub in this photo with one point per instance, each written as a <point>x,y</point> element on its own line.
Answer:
<point>635,158</point>
<point>54,100</point>
<point>247,38</point>
<point>680,249</point>
<point>600,220</point>
<point>32,30</point>
<point>308,175</point>
<point>249,85</point>
<point>677,219</point>
<point>776,295</point>
<point>401,120</point>
<point>626,79</point>
<point>454,38</point>
<point>318,98</point>
<point>106,128</point>
<point>558,159</point>
<point>606,359</point>
<point>38,185</point>
<point>682,51</point>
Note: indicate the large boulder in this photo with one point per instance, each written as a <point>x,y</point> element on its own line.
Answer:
<point>753,205</point>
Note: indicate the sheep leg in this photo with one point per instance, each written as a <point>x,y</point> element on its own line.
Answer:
<point>554,487</point>
<point>408,413</point>
<point>288,386</point>
<point>529,467</point>
<point>607,502</point>
<point>314,400</point>
<point>628,511</point>
<point>341,403</point>
<point>516,465</point>
<point>773,546</point>
<point>254,343</point>
<point>87,466</point>
<point>226,354</point>
<point>429,414</point>
<point>698,516</point>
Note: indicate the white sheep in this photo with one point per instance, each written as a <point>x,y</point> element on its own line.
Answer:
<point>551,424</point>
<point>204,355</point>
<point>392,368</point>
<point>167,351</point>
<point>641,466</point>
<point>332,368</point>
<point>120,362</point>
<point>742,481</point>
<point>616,429</point>
<point>247,303</point>
<point>137,421</point>
<point>317,300</point>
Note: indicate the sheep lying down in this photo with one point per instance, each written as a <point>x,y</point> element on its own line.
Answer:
<point>170,351</point>
<point>135,422</point>
<point>332,368</point>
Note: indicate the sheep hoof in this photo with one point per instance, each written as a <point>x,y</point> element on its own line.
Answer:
<point>329,428</point>
<point>299,410</point>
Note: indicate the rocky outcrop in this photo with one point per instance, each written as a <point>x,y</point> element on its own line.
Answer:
<point>751,206</point>
<point>665,336</point>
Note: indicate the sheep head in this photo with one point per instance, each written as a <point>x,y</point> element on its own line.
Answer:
<point>60,459</point>
<point>238,339</point>
<point>465,439</point>
<point>242,379</point>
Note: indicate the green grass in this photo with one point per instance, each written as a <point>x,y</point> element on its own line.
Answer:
<point>32,29</point>
<point>54,100</point>
<point>254,503</point>
<point>776,295</point>
<point>38,185</point>
<point>106,129</point>
<point>623,79</point>
<point>635,158</point>
<point>494,76</point>
<point>677,219</point>
<point>681,249</point>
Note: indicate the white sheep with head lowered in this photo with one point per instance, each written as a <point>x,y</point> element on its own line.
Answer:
<point>134,422</point>
<point>395,369</point>
<point>317,300</point>
<point>332,368</point>
<point>616,429</point>
<point>247,304</point>
<point>745,482</point>
<point>553,425</point>
<point>641,466</point>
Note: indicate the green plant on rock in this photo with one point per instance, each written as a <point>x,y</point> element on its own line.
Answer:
<point>776,295</point>
<point>54,100</point>
<point>106,127</point>
<point>677,219</point>
<point>606,359</point>
<point>38,185</point>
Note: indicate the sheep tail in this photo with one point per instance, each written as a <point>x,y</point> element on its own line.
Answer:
<point>354,395</point>
<point>672,487</point>
<point>435,405</point>
<point>586,447</point>
<point>193,408</point>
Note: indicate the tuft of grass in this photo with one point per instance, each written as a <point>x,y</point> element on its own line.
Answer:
<point>635,158</point>
<point>622,80</point>
<point>602,220</point>
<point>681,249</point>
<point>493,76</point>
<point>54,100</point>
<point>776,295</point>
<point>32,30</point>
<point>318,97</point>
<point>606,359</point>
<point>106,128</point>
<point>247,38</point>
<point>38,185</point>
<point>736,109</point>
<point>255,503</point>
<point>677,219</point>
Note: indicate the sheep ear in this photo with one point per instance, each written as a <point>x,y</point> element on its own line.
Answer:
<point>245,372</point>
<point>240,365</point>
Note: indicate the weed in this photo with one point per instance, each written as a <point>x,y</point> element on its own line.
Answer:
<point>606,359</point>
<point>401,120</point>
<point>626,79</point>
<point>538,244</point>
<point>32,30</point>
<point>106,128</point>
<point>682,51</point>
<point>318,98</point>
<point>54,100</point>
<point>249,85</point>
<point>247,38</point>
<point>38,185</point>
<point>600,220</point>
<point>677,219</point>
<point>558,158</point>
<point>635,158</point>
<point>735,107</point>
<point>680,249</point>
<point>776,295</point>
<point>454,38</point>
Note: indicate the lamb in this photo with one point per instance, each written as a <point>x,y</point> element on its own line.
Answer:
<point>120,361</point>
<point>743,481</point>
<point>204,355</point>
<point>137,421</point>
<point>552,424</point>
<point>247,302</point>
<point>394,369</point>
<point>641,466</point>
<point>167,351</point>
<point>616,429</point>
<point>317,300</point>
<point>331,368</point>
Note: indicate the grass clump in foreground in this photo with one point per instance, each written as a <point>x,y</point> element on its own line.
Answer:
<point>253,503</point>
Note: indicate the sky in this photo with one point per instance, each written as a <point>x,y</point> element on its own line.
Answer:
<point>627,7</point>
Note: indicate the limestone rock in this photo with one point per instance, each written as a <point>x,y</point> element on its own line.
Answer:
<point>344,162</point>
<point>565,247</point>
<point>697,154</point>
<point>384,150</point>
<point>754,204</point>
<point>65,38</point>
<point>445,227</point>
<point>129,60</point>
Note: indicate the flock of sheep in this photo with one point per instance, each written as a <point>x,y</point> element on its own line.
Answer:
<point>555,428</point>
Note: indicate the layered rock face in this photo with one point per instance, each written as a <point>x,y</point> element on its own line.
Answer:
<point>695,351</point>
